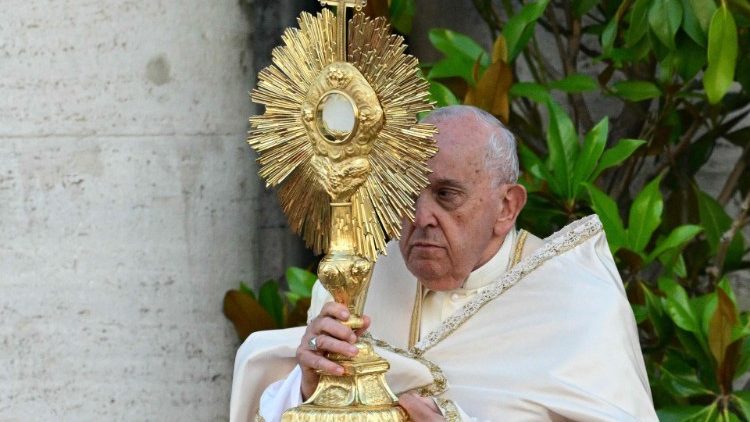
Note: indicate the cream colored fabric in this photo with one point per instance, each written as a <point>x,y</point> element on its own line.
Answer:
<point>551,339</point>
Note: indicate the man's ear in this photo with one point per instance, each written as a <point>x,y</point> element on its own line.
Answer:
<point>513,202</point>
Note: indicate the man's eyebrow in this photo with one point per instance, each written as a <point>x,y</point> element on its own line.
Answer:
<point>452,183</point>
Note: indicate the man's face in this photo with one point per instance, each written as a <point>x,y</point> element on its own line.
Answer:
<point>455,227</point>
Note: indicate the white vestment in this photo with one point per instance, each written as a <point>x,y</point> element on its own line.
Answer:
<point>552,338</point>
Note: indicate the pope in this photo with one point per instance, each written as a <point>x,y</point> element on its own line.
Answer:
<point>480,321</point>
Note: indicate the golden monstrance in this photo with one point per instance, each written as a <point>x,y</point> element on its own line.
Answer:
<point>340,138</point>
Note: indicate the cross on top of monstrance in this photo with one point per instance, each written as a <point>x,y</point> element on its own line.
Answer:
<point>341,140</point>
<point>341,6</point>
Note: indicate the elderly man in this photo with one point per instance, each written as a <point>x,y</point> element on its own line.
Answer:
<point>486,322</point>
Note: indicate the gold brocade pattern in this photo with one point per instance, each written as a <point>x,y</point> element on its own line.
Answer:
<point>258,417</point>
<point>449,409</point>
<point>439,383</point>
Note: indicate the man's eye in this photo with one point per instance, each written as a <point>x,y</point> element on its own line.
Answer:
<point>446,194</point>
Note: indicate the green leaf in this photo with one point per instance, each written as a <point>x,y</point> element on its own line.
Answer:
<point>665,17</point>
<point>677,239</point>
<point>716,222</point>
<point>244,288</point>
<point>461,53</point>
<point>442,95</point>
<point>616,155</point>
<point>678,307</point>
<point>689,59</point>
<point>606,208</point>
<point>703,11</point>
<point>744,364</point>
<point>636,30</point>
<point>608,36</point>
<point>645,216</point>
<point>636,90</point>
<point>581,7</point>
<point>722,55</point>
<point>656,314</point>
<point>520,27</point>
<point>691,25</point>
<point>300,281</point>
<point>640,312</point>
<point>270,299</point>
<point>575,83</point>
<point>402,14</point>
<point>683,386</point>
<point>562,142</point>
<point>678,413</point>
<point>742,400</point>
<point>533,91</point>
<point>593,146</point>
<point>725,285</point>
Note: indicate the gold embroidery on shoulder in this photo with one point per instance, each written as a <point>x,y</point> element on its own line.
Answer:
<point>518,249</point>
<point>416,317</point>
<point>258,417</point>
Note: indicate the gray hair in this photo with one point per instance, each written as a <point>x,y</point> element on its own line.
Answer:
<point>501,159</point>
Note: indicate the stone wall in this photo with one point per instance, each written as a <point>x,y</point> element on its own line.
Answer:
<point>127,207</point>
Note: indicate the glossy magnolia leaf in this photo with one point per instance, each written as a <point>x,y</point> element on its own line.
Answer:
<point>638,16</point>
<point>300,281</point>
<point>442,95</point>
<point>691,25</point>
<point>593,146</point>
<point>645,216</point>
<point>703,11</point>
<point>606,208</point>
<point>581,7</point>
<point>678,306</point>
<point>678,413</point>
<point>536,167</point>
<point>616,155</point>
<point>683,386</point>
<point>720,329</point>
<point>722,55</point>
<point>716,222</point>
<point>461,52</point>
<point>270,299</point>
<point>664,18</point>
<point>520,27</point>
<point>640,312</point>
<point>402,14</point>
<point>531,90</point>
<point>656,314</point>
<point>689,59</point>
<point>562,142</point>
<point>244,288</point>
<point>636,90</point>
<point>608,36</point>
<point>725,285</point>
<point>492,91</point>
<point>742,400</point>
<point>677,239</point>
<point>246,314</point>
<point>575,83</point>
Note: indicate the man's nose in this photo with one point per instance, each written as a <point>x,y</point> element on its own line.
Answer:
<point>424,215</point>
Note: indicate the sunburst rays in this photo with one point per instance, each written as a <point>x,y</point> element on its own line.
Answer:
<point>398,157</point>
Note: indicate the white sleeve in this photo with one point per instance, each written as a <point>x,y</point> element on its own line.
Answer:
<point>281,395</point>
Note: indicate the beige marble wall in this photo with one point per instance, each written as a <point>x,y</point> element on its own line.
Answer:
<point>127,207</point>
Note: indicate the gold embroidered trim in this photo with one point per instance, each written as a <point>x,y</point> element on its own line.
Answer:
<point>518,250</point>
<point>258,417</point>
<point>416,317</point>
<point>562,241</point>
<point>449,409</point>
<point>439,383</point>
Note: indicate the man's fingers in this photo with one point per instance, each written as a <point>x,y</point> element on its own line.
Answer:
<point>419,408</point>
<point>335,310</point>
<point>333,328</point>
<point>315,361</point>
<point>366,324</point>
